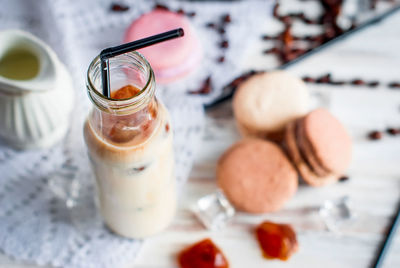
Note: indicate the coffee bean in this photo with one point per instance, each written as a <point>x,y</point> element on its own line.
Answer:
<point>358,82</point>
<point>308,79</point>
<point>221,30</point>
<point>287,37</point>
<point>180,11</point>
<point>119,7</point>
<point>375,135</point>
<point>211,25</point>
<point>324,79</point>
<point>394,85</point>
<point>337,83</point>
<point>288,56</point>
<point>287,20</point>
<point>298,51</point>
<point>373,84</point>
<point>267,37</point>
<point>221,59</point>
<point>160,6</point>
<point>224,44</point>
<point>330,33</point>
<point>317,38</point>
<point>226,18</point>
<point>191,14</point>
<point>393,131</point>
<point>204,89</point>
<point>343,178</point>
<point>236,82</point>
<point>273,50</point>
<point>309,21</point>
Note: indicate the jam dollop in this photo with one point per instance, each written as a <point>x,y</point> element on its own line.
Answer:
<point>125,92</point>
<point>203,254</point>
<point>277,241</point>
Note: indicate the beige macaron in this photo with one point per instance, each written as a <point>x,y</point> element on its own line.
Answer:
<point>265,103</point>
<point>256,176</point>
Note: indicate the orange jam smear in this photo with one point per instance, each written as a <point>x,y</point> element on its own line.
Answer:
<point>203,254</point>
<point>125,92</point>
<point>277,241</point>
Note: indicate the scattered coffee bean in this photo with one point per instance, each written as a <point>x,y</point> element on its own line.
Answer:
<point>343,178</point>
<point>358,82</point>
<point>118,7</point>
<point>373,84</point>
<point>394,85</point>
<point>160,6</point>
<point>287,37</point>
<point>221,59</point>
<point>238,80</point>
<point>226,18</point>
<point>211,25</point>
<point>287,20</point>
<point>204,89</point>
<point>267,37</point>
<point>393,131</point>
<point>191,14</point>
<point>325,79</point>
<point>308,79</point>
<point>309,21</point>
<point>221,30</point>
<point>337,83</point>
<point>273,50</point>
<point>180,11</point>
<point>375,135</point>
<point>224,44</point>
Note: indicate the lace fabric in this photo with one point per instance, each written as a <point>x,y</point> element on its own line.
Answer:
<point>35,225</point>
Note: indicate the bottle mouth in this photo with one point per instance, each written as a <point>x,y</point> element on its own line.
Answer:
<point>126,69</point>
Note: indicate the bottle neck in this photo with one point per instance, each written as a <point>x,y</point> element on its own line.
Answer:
<point>130,69</point>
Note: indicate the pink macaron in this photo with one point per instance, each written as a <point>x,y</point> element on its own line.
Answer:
<point>173,59</point>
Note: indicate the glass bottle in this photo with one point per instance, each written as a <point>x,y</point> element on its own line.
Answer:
<point>129,141</point>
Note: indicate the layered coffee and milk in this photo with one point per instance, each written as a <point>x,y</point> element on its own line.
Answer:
<point>132,158</point>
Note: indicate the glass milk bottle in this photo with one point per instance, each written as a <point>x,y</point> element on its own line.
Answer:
<point>129,141</point>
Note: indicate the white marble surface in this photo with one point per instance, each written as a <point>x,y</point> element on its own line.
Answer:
<point>374,185</point>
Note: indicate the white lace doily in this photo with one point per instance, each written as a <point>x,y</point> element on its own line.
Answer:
<point>35,225</point>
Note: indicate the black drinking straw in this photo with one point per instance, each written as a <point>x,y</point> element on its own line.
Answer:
<point>124,48</point>
<point>384,247</point>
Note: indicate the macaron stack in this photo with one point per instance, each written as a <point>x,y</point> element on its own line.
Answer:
<point>319,147</point>
<point>173,59</point>
<point>281,142</point>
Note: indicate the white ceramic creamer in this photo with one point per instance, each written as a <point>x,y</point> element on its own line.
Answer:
<point>36,93</point>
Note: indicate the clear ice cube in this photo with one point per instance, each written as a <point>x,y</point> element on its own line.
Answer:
<point>214,210</point>
<point>335,213</point>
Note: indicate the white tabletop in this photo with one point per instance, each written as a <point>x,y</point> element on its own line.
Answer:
<point>373,188</point>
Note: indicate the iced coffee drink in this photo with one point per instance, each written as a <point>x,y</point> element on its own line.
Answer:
<point>129,140</point>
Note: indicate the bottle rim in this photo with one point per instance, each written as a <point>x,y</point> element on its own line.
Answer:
<point>133,103</point>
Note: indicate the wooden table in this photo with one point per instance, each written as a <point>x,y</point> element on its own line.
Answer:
<point>373,188</point>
